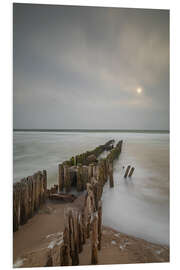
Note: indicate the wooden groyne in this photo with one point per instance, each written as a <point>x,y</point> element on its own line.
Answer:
<point>28,195</point>
<point>31,192</point>
<point>83,221</point>
<point>79,169</point>
<point>84,158</point>
<point>83,217</point>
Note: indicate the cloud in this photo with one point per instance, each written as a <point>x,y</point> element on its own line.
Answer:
<point>75,65</point>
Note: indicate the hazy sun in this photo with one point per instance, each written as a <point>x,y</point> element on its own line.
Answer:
<point>139,90</point>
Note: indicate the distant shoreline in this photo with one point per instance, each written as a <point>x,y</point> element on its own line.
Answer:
<point>92,130</point>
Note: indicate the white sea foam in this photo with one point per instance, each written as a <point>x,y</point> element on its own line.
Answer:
<point>18,263</point>
<point>52,244</point>
<point>54,234</point>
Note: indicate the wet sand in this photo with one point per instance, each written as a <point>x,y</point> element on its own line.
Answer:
<point>47,225</point>
<point>48,220</point>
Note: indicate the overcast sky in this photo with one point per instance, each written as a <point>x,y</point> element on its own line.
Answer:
<point>80,67</point>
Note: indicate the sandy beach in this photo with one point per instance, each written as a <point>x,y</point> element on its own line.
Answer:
<point>42,232</point>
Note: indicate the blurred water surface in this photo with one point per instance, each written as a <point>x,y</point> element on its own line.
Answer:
<point>138,206</point>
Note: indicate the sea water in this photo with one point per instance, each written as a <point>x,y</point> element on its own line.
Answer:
<point>137,206</point>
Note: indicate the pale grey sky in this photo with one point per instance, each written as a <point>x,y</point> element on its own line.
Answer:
<point>80,67</point>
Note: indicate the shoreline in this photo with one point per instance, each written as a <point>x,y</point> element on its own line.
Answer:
<point>47,239</point>
<point>42,232</point>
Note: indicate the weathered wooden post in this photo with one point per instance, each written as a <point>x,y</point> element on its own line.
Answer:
<point>15,218</point>
<point>44,185</point>
<point>111,179</point>
<point>81,233</point>
<point>73,243</point>
<point>98,173</point>
<point>63,257</point>
<point>84,227</point>
<point>131,172</point>
<point>32,196</point>
<point>30,202</point>
<point>75,259</point>
<point>70,232</point>
<point>90,172</point>
<point>16,206</point>
<point>49,259</point>
<point>94,240</point>
<point>37,190</point>
<point>94,171</point>
<point>15,211</point>
<point>127,171</point>
<point>105,169</point>
<point>75,161</point>
<point>56,188</point>
<point>41,188</point>
<point>34,192</point>
<point>84,176</point>
<point>65,254</point>
<point>100,176</point>
<point>78,244</point>
<point>99,180</point>
<point>89,208</point>
<point>67,182</point>
<point>61,177</point>
<point>79,178</point>
<point>95,189</point>
<point>24,200</point>
<point>99,223</point>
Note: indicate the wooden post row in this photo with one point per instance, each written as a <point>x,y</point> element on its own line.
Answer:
<point>28,195</point>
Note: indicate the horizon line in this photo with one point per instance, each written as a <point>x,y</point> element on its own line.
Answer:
<point>97,130</point>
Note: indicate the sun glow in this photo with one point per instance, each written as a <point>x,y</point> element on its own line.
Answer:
<point>139,90</point>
